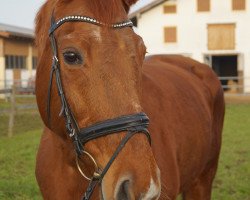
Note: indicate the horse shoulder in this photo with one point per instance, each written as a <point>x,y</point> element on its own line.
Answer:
<point>55,170</point>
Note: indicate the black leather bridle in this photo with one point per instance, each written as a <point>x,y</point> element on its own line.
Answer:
<point>132,124</point>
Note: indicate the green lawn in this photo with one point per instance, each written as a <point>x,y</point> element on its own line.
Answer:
<point>233,176</point>
<point>17,165</point>
<point>17,157</point>
<point>24,122</point>
<point>29,99</point>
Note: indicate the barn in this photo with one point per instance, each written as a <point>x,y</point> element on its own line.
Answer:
<point>210,31</point>
<point>18,55</point>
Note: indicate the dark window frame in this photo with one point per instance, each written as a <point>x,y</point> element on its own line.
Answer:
<point>15,62</point>
<point>34,62</point>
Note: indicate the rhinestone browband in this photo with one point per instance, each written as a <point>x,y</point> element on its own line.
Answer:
<point>77,18</point>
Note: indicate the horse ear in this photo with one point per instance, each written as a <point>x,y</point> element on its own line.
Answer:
<point>128,3</point>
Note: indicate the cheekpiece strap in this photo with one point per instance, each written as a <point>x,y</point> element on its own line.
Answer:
<point>71,124</point>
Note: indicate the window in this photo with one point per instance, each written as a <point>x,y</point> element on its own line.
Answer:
<point>203,5</point>
<point>34,62</point>
<point>238,4</point>
<point>170,34</point>
<point>15,62</point>
<point>221,36</point>
<point>168,9</point>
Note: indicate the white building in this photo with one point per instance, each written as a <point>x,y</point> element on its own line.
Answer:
<point>216,32</point>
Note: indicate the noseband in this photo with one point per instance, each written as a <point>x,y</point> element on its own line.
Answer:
<point>132,124</point>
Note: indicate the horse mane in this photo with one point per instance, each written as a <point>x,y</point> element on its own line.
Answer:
<point>105,10</point>
<point>42,22</point>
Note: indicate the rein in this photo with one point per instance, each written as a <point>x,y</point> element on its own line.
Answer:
<point>132,124</point>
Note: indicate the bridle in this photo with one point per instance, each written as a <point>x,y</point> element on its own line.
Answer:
<point>132,124</point>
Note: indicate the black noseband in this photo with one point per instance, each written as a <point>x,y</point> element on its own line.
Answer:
<point>132,124</point>
<point>135,123</point>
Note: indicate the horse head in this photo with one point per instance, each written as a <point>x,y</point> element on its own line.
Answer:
<point>99,73</point>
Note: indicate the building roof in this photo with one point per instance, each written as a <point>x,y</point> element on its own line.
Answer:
<point>10,30</point>
<point>145,6</point>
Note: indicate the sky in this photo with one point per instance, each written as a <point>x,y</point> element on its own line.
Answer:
<point>22,12</point>
<point>19,12</point>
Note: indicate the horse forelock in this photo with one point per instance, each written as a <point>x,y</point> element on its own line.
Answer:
<point>106,11</point>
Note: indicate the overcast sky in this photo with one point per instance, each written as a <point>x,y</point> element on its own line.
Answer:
<point>19,12</point>
<point>22,12</point>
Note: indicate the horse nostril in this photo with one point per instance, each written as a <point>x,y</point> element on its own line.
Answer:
<point>124,192</point>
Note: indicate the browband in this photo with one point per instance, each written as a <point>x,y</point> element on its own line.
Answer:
<point>77,18</point>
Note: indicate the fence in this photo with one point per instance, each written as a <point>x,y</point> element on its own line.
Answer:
<point>11,95</point>
<point>234,85</point>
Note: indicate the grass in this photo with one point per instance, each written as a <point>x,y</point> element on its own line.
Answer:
<point>17,165</point>
<point>17,154</point>
<point>29,99</point>
<point>24,122</point>
<point>17,157</point>
<point>22,117</point>
<point>4,104</point>
<point>233,176</point>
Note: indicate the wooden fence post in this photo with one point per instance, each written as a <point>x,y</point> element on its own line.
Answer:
<point>12,111</point>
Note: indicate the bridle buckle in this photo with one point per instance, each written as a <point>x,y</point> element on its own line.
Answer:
<point>55,59</point>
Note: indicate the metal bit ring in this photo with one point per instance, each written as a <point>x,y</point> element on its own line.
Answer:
<point>96,174</point>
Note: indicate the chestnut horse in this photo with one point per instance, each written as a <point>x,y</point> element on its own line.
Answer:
<point>101,74</point>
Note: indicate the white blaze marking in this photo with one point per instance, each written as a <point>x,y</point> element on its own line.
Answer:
<point>136,105</point>
<point>97,35</point>
<point>153,191</point>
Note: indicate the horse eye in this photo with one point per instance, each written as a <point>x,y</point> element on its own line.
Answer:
<point>72,58</point>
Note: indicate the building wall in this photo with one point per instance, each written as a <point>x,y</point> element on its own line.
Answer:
<point>192,34</point>
<point>16,47</point>
<point>26,77</point>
